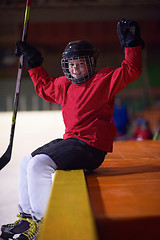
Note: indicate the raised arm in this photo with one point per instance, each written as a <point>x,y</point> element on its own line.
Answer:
<point>131,67</point>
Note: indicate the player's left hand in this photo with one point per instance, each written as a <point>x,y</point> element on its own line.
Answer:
<point>129,33</point>
<point>32,56</point>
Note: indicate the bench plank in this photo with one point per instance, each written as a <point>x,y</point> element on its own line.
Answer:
<point>69,214</point>
<point>127,192</point>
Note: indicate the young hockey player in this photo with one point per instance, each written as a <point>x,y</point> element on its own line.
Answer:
<point>87,99</point>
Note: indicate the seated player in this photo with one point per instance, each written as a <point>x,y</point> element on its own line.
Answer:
<point>87,99</point>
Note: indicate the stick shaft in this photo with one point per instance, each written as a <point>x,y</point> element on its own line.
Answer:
<point>7,155</point>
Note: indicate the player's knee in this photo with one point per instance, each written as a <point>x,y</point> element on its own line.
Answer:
<point>24,162</point>
<point>40,165</point>
<point>35,166</point>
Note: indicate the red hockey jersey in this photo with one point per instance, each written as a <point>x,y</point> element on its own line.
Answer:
<point>88,108</point>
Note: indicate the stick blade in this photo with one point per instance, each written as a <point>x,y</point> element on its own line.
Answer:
<point>6,157</point>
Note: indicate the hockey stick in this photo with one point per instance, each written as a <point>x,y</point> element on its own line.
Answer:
<point>7,155</point>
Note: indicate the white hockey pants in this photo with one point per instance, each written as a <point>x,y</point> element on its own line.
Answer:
<point>34,183</point>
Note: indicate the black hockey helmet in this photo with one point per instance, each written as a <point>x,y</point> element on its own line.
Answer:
<point>81,49</point>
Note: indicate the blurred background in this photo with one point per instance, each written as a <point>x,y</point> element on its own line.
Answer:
<point>53,23</point>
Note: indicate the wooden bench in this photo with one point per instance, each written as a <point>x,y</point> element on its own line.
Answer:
<point>69,215</point>
<point>124,193</point>
<point>127,192</point>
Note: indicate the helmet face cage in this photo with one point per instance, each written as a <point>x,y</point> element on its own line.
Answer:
<point>89,68</point>
<point>82,51</point>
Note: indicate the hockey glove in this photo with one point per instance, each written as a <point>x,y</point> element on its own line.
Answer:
<point>129,33</point>
<point>32,56</point>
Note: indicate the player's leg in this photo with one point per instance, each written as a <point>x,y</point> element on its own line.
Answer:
<point>21,224</point>
<point>34,184</point>
<point>39,175</point>
<point>40,172</point>
<point>23,184</point>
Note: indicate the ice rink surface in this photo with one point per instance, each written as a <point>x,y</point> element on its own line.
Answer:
<point>33,129</point>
